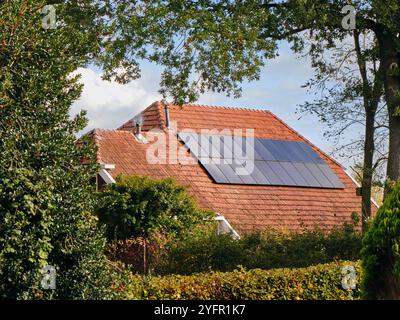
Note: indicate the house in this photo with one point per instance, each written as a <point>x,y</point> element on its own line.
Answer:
<point>289,191</point>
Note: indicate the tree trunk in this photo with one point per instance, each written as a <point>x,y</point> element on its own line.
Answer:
<point>371,97</point>
<point>393,166</point>
<point>391,79</point>
<point>366,184</point>
<point>144,255</point>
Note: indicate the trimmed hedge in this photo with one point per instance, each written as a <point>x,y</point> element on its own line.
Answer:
<point>320,282</point>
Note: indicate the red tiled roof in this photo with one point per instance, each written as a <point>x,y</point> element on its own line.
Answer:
<point>246,207</point>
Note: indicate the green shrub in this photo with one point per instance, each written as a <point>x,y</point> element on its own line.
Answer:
<point>46,198</point>
<point>138,206</point>
<point>381,251</point>
<point>130,252</point>
<point>320,282</point>
<point>201,250</point>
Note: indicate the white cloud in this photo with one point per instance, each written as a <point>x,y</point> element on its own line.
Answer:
<point>109,104</point>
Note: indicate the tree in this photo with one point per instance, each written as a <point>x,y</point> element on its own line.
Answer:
<point>46,202</point>
<point>215,45</point>
<point>138,206</point>
<point>381,252</point>
<point>349,90</point>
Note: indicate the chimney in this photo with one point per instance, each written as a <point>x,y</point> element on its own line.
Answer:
<point>137,122</point>
<point>166,110</point>
<point>138,129</point>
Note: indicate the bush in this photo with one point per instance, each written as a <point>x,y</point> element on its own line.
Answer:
<point>130,252</point>
<point>381,251</point>
<point>203,250</point>
<point>46,198</point>
<point>138,206</point>
<point>320,282</point>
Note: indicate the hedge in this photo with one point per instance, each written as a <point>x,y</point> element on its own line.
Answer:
<point>319,282</point>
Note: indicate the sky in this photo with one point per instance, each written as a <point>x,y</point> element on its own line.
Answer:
<point>109,104</point>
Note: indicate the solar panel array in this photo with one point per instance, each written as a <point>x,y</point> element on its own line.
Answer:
<point>240,160</point>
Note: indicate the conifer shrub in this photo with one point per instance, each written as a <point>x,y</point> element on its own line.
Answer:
<point>381,251</point>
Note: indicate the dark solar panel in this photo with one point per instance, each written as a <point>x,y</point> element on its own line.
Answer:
<point>281,173</point>
<point>243,148</point>
<point>244,172</point>
<point>209,147</point>
<point>277,148</point>
<point>216,173</point>
<point>262,152</point>
<point>333,178</point>
<point>318,174</point>
<point>307,175</point>
<point>229,173</point>
<point>269,173</point>
<point>226,147</point>
<point>294,173</point>
<point>258,176</point>
<point>260,161</point>
<point>191,142</point>
<point>310,153</point>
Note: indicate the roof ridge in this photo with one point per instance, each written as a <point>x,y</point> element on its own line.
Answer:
<point>163,124</point>
<point>223,107</point>
<point>94,133</point>
<point>156,104</point>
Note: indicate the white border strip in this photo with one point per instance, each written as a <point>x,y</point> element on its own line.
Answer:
<point>106,176</point>
<point>359,186</point>
<point>107,166</point>
<point>227,226</point>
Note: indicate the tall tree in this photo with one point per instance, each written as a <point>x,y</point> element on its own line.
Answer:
<point>348,89</point>
<point>46,201</point>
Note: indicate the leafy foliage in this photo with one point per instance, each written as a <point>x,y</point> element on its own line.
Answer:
<point>216,40</point>
<point>216,45</point>
<point>130,253</point>
<point>381,251</point>
<point>46,202</point>
<point>137,206</point>
<point>320,282</point>
<point>202,250</point>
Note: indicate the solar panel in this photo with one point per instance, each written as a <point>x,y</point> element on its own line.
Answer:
<point>318,174</point>
<point>307,175</point>
<point>191,142</point>
<point>262,152</point>
<point>230,173</point>
<point>294,174</point>
<point>281,173</point>
<point>258,176</point>
<point>247,177</point>
<point>333,178</point>
<point>236,160</point>
<point>215,172</point>
<point>277,149</point>
<point>310,153</point>
<point>268,172</point>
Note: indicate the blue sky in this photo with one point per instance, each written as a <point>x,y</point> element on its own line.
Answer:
<point>279,90</point>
